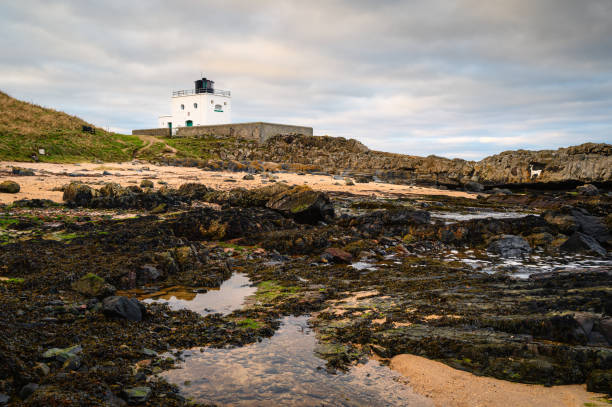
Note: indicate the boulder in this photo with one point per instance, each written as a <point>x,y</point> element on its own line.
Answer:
<point>27,390</point>
<point>600,381</point>
<point>62,355</point>
<point>9,187</point>
<point>473,186</point>
<point>93,286</point>
<point>248,177</point>
<point>192,190</point>
<point>22,171</point>
<point>146,183</point>
<point>303,204</point>
<point>581,243</point>
<point>591,225</point>
<point>123,307</point>
<point>509,246</point>
<point>78,194</point>
<point>605,326</point>
<point>588,190</point>
<point>336,255</point>
<point>113,190</point>
<point>137,395</point>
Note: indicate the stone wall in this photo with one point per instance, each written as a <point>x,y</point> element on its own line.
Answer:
<point>257,131</point>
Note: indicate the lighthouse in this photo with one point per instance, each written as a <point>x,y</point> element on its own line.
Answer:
<point>201,106</point>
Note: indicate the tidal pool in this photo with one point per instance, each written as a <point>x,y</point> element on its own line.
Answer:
<point>285,371</point>
<point>458,216</point>
<point>228,297</point>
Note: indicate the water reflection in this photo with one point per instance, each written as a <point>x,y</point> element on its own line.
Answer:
<point>225,299</point>
<point>284,370</point>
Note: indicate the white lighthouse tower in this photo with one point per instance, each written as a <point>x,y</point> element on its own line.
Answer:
<point>204,105</point>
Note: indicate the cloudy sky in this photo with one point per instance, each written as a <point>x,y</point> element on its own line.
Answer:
<point>463,78</point>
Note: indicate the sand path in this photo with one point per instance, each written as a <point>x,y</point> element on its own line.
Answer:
<point>448,387</point>
<point>52,176</point>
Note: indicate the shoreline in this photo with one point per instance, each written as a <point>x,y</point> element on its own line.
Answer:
<point>49,176</point>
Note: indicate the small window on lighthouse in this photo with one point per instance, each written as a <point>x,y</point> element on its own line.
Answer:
<point>212,102</point>
<point>218,108</point>
<point>182,107</point>
<point>224,103</point>
<point>195,105</point>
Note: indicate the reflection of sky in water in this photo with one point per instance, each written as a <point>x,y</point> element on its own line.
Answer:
<point>284,371</point>
<point>224,300</point>
<point>455,216</point>
<point>534,264</point>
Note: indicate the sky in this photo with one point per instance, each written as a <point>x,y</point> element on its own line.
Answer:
<point>454,78</point>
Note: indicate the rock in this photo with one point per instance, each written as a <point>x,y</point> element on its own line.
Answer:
<point>22,171</point>
<point>123,307</point>
<point>62,355</point>
<point>600,381</point>
<point>106,173</point>
<point>605,326</point>
<point>27,390</point>
<point>9,187</point>
<point>113,190</point>
<point>4,399</point>
<point>161,208</point>
<point>193,191</point>
<point>147,274</point>
<point>473,186</point>
<point>543,239</point>
<point>303,204</point>
<point>581,243</point>
<point>349,182</point>
<point>42,369</point>
<point>136,395</point>
<point>588,190</point>
<point>337,255</point>
<point>586,321</point>
<point>78,194</point>
<point>510,246</point>
<point>146,183</point>
<point>93,286</point>
<point>248,177</point>
<point>591,225</point>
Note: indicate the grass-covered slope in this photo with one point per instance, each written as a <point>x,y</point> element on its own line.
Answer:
<point>25,127</point>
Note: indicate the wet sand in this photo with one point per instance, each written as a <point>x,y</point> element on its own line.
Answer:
<point>52,176</point>
<point>448,387</point>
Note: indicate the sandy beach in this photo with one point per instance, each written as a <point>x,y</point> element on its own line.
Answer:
<point>49,178</point>
<point>449,387</point>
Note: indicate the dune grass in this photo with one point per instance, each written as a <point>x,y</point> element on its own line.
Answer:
<point>25,128</point>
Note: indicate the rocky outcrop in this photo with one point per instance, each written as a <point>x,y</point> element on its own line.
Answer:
<point>584,163</point>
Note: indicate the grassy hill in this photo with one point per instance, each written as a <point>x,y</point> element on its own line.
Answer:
<point>25,127</point>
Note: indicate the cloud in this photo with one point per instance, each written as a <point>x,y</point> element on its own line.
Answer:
<point>460,79</point>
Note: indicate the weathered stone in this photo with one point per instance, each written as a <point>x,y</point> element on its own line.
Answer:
<point>113,190</point>
<point>248,177</point>
<point>600,381</point>
<point>581,243</point>
<point>136,395</point>
<point>123,307</point>
<point>337,255</point>
<point>22,171</point>
<point>78,194</point>
<point>93,286</point>
<point>510,246</point>
<point>62,355</point>
<point>303,204</point>
<point>473,186</point>
<point>42,369</point>
<point>9,187</point>
<point>146,183</point>
<point>27,390</point>
<point>588,190</point>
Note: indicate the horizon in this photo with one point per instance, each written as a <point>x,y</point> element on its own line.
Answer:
<point>464,81</point>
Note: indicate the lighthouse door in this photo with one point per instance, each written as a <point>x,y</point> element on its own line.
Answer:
<point>188,123</point>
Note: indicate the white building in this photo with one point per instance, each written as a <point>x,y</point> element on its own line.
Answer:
<point>201,106</point>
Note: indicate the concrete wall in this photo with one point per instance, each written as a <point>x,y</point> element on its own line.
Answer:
<point>258,131</point>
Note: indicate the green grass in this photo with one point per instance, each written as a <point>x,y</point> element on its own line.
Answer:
<point>25,128</point>
<point>248,323</point>
<point>201,147</point>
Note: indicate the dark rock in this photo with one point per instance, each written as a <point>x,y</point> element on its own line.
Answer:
<point>588,190</point>
<point>148,273</point>
<point>93,286</point>
<point>136,395</point>
<point>193,191</point>
<point>303,204</point>
<point>581,243</point>
<point>473,186</point>
<point>9,187</point>
<point>510,246</point>
<point>22,171</point>
<point>62,355</point>
<point>27,390</point>
<point>248,177</point>
<point>123,307</point>
<point>146,183</point>
<point>337,255</point>
<point>4,399</point>
<point>591,225</point>
<point>600,381</point>
<point>605,326</point>
<point>78,194</point>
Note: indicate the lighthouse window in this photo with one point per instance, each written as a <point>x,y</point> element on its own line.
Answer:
<point>225,103</point>
<point>218,108</point>
<point>212,102</point>
<point>195,105</point>
<point>182,107</point>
